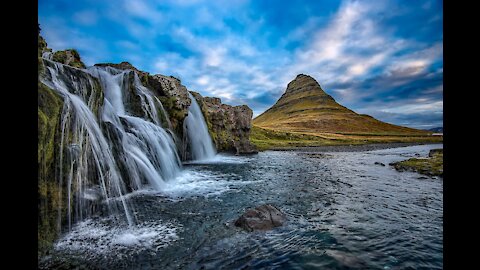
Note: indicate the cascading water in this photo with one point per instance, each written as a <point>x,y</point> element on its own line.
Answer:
<point>148,151</point>
<point>102,160</point>
<point>199,141</point>
<point>89,152</point>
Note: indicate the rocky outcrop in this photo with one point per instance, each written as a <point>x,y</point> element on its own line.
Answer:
<point>68,57</point>
<point>229,126</point>
<point>174,97</point>
<point>42,44</point>
<point>261,218</point>
<point>431,165</point>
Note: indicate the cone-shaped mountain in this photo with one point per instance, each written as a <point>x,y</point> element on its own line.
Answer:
<point>306,108</point>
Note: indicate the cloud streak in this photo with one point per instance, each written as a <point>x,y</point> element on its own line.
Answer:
<point>371,56</point>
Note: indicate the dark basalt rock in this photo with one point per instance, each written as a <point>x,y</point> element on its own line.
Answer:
<point>261,218</point>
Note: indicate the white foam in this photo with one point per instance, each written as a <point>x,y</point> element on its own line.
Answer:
<point>221,159</point>
<point>195,183</point>
<point>99,238</point>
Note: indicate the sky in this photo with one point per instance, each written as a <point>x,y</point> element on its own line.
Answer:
<point>382,58</point>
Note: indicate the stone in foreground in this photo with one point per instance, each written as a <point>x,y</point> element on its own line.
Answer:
<point>261,218</point>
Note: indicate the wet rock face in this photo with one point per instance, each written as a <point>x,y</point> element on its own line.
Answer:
<point>168,89</point>
<point>173,88</point>
<point>229,126</point>
<point>264,217</point>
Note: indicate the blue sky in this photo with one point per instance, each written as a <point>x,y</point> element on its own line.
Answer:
<point>382,58</point>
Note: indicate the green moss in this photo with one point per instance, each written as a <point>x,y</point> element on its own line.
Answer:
<point>176,116</point>
<point>49,109</point>
<point>42,46</point>
<point>41,67</point>
<point>60,56</point>
<point>265,139</point>
<point>432,166</point>
<point>68,57</point>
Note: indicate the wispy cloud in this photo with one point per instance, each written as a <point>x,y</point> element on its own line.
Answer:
<point>371,56</point>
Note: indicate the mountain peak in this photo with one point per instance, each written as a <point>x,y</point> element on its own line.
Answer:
<point>305,107</point>
<point>303,82</point>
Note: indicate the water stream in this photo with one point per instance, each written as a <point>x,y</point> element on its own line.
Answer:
<point>344,212</point>
<point>200,143</point>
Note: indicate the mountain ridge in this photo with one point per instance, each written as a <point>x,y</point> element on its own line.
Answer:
<point>305,107</point>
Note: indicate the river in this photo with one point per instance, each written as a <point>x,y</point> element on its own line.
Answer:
<point>344,212</point>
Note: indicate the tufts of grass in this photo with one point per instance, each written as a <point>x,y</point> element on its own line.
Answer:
<point>432,165</point>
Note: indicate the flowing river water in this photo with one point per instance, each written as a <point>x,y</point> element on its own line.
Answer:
<point>344,212</point>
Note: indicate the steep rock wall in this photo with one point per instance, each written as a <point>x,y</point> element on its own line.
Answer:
<point>228,125</point>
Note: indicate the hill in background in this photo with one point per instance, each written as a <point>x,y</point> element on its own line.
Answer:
<point>305,110</point>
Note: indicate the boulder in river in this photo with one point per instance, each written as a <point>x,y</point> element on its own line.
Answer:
<point>264,217</point>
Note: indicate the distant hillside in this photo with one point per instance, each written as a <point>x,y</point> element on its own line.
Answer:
<point>436,129</point>
<point>306,108</point>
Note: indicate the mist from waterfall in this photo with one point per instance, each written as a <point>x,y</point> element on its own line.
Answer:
<point>199,140</point>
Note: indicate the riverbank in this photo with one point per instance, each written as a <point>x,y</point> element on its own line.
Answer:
<point>347,148</point>
<point>266,139</point>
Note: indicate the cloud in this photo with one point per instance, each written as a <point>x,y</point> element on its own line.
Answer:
<point>436,106</point>
<point>369,55</point>
<point>86,17</point>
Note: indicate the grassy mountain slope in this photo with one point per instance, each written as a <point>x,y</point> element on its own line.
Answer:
<point>307,116</point>
<point>306,108</point>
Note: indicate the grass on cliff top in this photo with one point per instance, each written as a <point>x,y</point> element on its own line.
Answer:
<point>432,166</point>
<point>266,139</point>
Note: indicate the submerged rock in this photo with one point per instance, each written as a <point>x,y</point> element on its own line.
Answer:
<point>264,217</point>
<point>379,163</point>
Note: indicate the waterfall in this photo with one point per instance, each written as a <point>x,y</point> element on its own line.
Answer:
<point>199,141</point>
<point>88,151</point>
<point>105,150</point>
<point>148,151</point>
<point>47,55</point>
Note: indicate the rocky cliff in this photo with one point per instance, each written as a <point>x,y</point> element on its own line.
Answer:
<point>229,126</point>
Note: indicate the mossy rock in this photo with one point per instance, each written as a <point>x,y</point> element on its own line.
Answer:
<point>50,195</point>
<point>68,57</point>
<point>42,46</point>
<point>431,166</point>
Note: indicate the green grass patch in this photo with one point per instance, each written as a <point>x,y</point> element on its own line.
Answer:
<point>266,139</point>
<point>432,165</point>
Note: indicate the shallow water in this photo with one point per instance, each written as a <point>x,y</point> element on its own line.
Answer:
<point>344,212</point>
